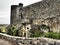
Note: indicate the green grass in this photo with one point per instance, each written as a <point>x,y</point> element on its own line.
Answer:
<point>53,35</point>
<point>36,33</point>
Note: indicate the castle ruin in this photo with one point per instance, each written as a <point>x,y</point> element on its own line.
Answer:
<point>46,12</point>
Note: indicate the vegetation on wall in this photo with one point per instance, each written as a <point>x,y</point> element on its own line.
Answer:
<point>53,35</point>
<point>37,33</point>
<point>2,29</point>
<point>34,32</point>
<point>12,31</point>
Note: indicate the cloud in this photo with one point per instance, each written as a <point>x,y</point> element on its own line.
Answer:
<point>4,5</point>
<point>4,21</point>
<point>25,2</point>
<point>5,14</point>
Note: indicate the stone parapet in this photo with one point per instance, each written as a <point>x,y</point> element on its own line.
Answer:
<point>30,41</point>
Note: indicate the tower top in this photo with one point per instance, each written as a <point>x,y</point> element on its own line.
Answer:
<point>21,4</point>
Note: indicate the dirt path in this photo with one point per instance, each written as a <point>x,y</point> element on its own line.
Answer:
<point>4,42</point>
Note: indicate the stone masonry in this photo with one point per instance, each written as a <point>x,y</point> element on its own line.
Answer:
<point>45,12</point>
<point>29,41</point>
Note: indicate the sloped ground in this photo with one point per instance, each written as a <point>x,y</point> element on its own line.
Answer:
<point>4,42</point>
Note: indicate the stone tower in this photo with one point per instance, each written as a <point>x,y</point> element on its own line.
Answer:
<point>16,14</point>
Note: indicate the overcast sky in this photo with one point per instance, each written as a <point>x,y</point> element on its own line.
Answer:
<point>5,6</point>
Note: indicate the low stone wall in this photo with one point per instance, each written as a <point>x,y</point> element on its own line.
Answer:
<point>38,41</point>
<point>30,41</point>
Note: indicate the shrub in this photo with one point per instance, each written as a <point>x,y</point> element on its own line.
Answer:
<point>53,35</point>
<point>3,30</point>
<point>37,33</point>
<point>11,31</point>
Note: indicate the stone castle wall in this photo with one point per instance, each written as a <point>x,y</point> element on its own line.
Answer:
<point>44,12</point>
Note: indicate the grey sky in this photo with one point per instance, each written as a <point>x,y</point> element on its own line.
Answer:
<point>5,8</point>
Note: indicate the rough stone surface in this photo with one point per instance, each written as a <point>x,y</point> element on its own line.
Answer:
<point>45,12</point>
<point>27,41</point>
